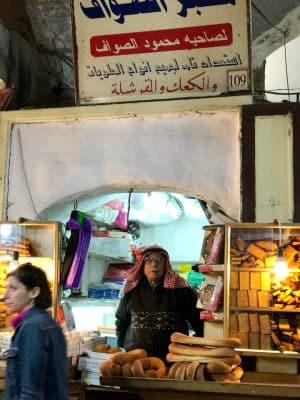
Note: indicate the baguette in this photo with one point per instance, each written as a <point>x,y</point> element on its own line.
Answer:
<point>178,337</point>
<point>201,350</point>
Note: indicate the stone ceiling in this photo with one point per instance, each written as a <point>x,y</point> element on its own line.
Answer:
<point>36,46</point>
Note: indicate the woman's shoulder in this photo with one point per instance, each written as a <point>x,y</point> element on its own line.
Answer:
<point>39,315</point>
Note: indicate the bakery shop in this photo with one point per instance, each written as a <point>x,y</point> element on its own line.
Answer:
<point>246,274</point>
<point>211,177</point>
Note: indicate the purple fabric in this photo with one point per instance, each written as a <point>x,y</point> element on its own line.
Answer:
<point>18,318</point>
<point>74,277</point>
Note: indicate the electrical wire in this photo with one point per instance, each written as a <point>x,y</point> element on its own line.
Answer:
<point>284,44</point>
<point>24,172</point>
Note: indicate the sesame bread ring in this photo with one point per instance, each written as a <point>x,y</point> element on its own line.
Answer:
<point>234,375</point>
<point>123,357</point>
<point>173,369</point>
<point>200,373</point>
<point>150,373</point>
<point>159,366</point>
<point>178,337</point>
<point>116,369</point>
<point>181,371</point>
<point>126,369</point>
<point>105,369</point>
<point>190,371</point>
<point>139,366</point>
<point>218,367</point>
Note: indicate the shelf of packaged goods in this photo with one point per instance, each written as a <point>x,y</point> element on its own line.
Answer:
<point>211,268</point>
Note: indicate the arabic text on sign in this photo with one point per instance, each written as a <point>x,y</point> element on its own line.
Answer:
<point>198,83</point>
<point>144,67</point>
<point>162,40</point>
<point>112,8</point>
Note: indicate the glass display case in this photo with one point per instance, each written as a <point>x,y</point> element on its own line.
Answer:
<point>262,287</point>
<point>35,242</point>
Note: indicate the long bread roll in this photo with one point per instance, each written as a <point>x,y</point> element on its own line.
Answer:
<point>191,350</point>
<point>171,357</point>
<point>178,337</point>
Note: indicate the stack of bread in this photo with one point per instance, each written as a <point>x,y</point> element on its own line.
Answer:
<point>133,363</point>
<point>199,358</point>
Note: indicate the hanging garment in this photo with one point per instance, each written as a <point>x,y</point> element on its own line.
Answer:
<point>71,246</point>
<point>77,250</point>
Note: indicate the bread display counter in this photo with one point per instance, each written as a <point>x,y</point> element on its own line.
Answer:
<point>197,367</point>
<point>157,389</point>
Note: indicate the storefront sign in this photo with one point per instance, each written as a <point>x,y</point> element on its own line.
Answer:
<point>160,49</point>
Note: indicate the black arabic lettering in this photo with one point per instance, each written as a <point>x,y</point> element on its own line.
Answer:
<point>192,64</point>
<point>96,10</point>
<point>135,7</point>
<point>201,3</point>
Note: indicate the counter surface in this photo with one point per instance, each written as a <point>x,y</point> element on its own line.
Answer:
<point>156,389</point>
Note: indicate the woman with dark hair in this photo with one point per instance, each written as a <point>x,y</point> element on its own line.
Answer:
<point>36,360</point>
<point>156,303</point>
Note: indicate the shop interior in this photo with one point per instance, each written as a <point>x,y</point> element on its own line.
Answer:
<point>122,222</point>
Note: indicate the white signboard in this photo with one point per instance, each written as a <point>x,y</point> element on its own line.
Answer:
<point>139,50</point>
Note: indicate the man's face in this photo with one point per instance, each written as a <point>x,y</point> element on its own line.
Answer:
<point>154,267</point>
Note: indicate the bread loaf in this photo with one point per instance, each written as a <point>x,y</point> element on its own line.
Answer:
<point>267,245</point>
<point>256,251</point>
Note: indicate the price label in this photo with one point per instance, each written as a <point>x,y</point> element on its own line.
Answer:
<point>237,80</point>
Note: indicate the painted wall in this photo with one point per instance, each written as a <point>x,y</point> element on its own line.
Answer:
<point>54,159</point>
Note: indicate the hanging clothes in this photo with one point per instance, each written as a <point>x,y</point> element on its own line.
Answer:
<point>77,249</point>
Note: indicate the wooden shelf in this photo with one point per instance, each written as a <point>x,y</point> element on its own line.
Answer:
<point>264,309</point>
<point>261,269</point>
<point>268,353</point>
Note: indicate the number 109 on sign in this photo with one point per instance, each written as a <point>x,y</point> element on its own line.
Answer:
<point>237,80</point>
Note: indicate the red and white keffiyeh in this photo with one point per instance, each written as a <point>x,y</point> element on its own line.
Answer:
<point>171,279</point>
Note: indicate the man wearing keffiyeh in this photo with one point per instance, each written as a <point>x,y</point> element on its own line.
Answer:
<point>156,302</point>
